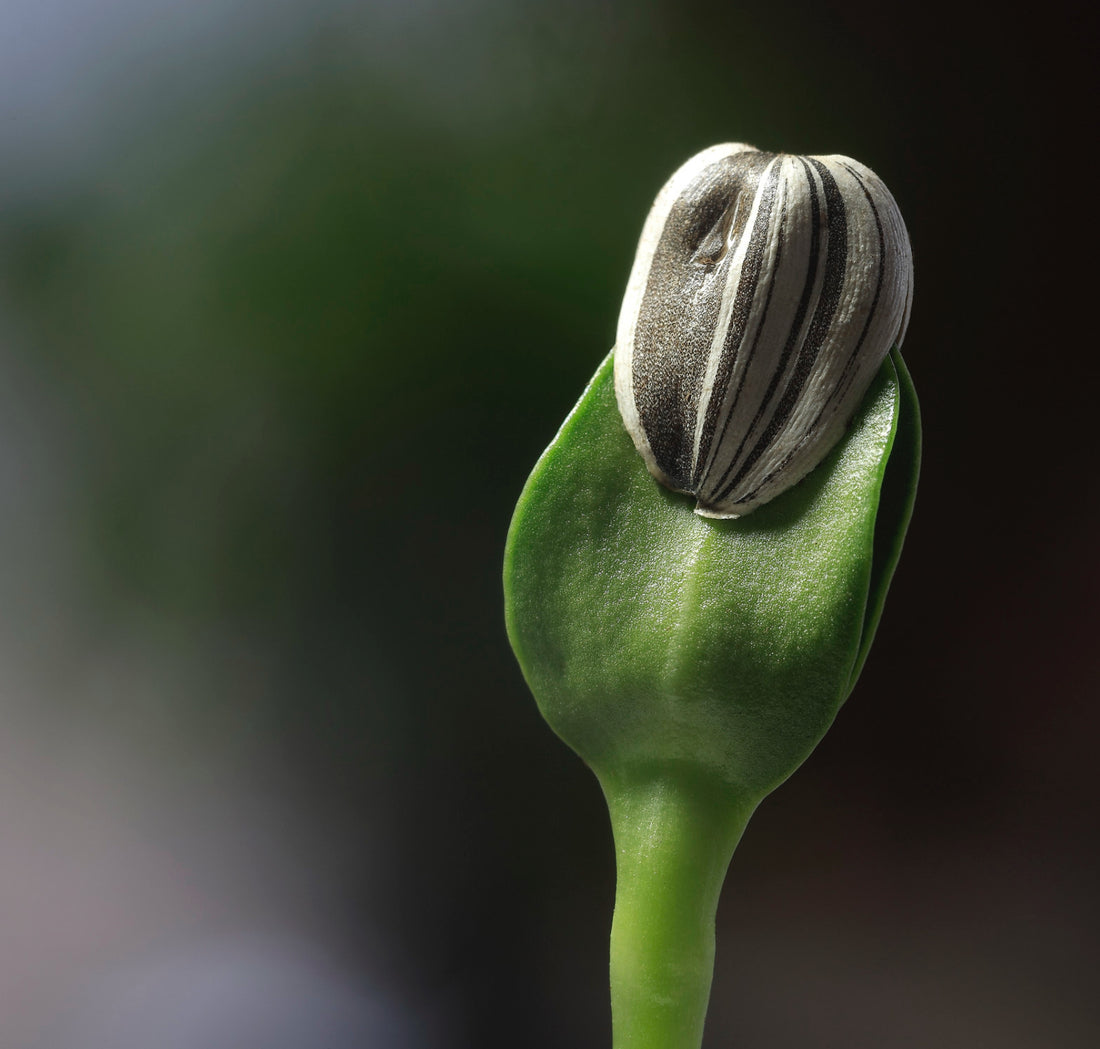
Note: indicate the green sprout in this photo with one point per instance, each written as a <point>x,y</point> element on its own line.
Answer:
<point>693,656</point>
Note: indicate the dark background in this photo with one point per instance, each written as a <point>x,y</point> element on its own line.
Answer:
<point>292,297</point>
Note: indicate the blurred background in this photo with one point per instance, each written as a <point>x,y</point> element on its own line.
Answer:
<point>292,295</point>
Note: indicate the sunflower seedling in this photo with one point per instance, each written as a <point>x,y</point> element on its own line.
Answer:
<point>694,648</point>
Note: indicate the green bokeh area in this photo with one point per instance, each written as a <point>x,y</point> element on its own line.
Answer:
<point>305,329</point>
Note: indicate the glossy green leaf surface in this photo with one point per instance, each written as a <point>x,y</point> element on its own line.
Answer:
<point>653,638</point>
<point>694,663</point>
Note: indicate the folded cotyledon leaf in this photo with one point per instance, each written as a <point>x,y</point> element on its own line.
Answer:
<point>695,662</point>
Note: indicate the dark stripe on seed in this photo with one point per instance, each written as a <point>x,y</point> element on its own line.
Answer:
<point>795,330</point>
<point>739,315</point>
<point>849,374</point>
<point>836,260</point>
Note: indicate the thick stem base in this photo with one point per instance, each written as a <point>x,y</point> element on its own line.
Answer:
<point>674,838</point>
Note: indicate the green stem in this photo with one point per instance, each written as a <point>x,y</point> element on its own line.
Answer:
<point>674,838</point>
